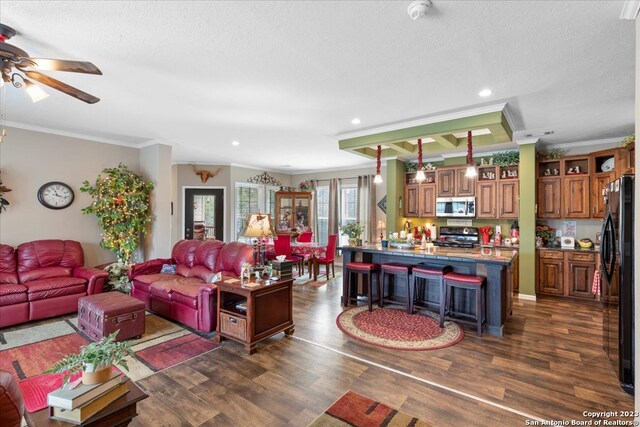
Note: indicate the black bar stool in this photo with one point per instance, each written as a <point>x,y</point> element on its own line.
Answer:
<point>464,281</point>
<point>394,270</point>
<point>423,275</point>
<point>367,271</point>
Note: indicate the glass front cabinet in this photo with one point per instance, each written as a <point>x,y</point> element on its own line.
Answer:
<point>293,210</point>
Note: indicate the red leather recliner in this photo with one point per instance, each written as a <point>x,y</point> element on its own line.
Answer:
<point>186,296</point>
<point>44,278</point>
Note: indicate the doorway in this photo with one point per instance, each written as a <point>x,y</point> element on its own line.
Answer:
<point>204,213</point>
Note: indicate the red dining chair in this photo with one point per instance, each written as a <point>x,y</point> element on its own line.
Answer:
<point>305,237</point>
<point>330,255</point>
<point>282,246</point>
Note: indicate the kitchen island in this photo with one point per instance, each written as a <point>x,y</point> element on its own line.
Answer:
<point>498,268</point>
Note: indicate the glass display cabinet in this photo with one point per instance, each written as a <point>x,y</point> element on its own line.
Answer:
<point>293,210</point>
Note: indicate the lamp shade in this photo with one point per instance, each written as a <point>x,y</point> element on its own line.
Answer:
<point>257,225</point>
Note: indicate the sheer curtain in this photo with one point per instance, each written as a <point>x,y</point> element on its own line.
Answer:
<point>367,206</point>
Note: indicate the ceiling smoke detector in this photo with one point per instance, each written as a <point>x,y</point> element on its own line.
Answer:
<point>418,9</point>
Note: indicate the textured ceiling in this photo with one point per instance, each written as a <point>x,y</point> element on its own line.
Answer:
<point>286,78</point>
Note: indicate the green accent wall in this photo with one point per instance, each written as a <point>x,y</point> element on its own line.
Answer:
<point>395,190</point>
<point>527,219</point>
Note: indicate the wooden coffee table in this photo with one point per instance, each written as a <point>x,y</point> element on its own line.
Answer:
<point>269,310</point>
<point>117,414</point>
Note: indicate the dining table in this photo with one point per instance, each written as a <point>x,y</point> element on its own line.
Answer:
<point>314,249</point>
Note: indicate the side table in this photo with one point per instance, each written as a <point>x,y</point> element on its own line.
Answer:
<point>249,315</point>
<point>118,413</point>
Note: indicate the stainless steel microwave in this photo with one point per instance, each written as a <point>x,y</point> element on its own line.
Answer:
<point>456,207</point>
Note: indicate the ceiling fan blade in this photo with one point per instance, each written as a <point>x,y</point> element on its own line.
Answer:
<point>64,65</point>
<point>62,87</point>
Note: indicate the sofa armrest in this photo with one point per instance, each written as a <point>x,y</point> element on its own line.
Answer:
<point>207,308</point>
<point>94,276</point>
<point>152,266</point>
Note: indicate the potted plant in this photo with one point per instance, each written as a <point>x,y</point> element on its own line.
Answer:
<point>544,234</point>
<point>95,360</point>
<point>507,158</point>
<point>354,230</point>
<point>121,204</point>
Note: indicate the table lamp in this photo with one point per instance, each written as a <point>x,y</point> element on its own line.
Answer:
<point>258,226</point>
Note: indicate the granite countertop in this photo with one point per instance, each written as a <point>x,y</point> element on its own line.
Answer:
<point>502,256</point>
<point>578,249</point>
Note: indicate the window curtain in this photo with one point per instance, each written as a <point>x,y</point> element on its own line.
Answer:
<point>334,205</point>
<point>314,209</point>
<point>367,206</point>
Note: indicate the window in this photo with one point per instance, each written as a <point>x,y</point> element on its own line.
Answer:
<point>348,204</point>
<point>250,198</point>
<point>322,197</point>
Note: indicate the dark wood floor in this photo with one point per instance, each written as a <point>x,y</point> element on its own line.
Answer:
<point>550,365</point>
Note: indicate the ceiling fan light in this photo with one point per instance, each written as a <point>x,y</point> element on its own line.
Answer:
<point>35,92</point>
<point>471,171</point>
<point>420,176</point>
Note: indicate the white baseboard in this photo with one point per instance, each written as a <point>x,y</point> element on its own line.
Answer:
<point>526,297</point>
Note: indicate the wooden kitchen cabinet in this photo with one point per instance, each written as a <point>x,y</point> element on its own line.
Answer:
<point>465,186</point>
<point>598,184</point>
<point>566,273</point>
<point>508,199</point>
<point>427,201</point>
<point>549,197</point>
<point>550,273</point>
<point>446,181</point>
<point>576,197</point>
<point>486,199</point>
<point>411,200</point>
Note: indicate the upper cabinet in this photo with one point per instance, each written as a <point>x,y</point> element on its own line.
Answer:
<point>292,211</point>
<point>465,186</point>
<point>420,198</point>
<point>446,182</point>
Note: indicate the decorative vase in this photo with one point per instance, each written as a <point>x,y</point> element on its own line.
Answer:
<point>95,374</point>
<point>353,242</point>
<point>485,238</point>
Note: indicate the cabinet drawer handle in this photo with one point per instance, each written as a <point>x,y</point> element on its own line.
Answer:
<point>233,320</point>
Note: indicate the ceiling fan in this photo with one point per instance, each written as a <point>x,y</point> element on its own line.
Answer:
<point>16,61</point>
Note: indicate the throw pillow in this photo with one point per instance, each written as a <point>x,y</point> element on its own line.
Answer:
<point>168,269</point>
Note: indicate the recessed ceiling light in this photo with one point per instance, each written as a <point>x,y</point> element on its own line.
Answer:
<point>235,143</point>
<point>355,121</point>
<point>485,92</point>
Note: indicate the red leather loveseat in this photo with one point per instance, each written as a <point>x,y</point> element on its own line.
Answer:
<point>185,295</point>
<point>44,278</point>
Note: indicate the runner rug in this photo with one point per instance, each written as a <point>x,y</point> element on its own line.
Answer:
<point>391,327</point>
<point>356,410</point>
<point>27,352</point>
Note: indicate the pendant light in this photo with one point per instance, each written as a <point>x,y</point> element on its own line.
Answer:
<point>378,177</point>
<point>471,167</point>
<point>420,177</point>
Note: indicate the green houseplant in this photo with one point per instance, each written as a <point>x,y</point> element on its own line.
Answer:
<point>121,204</point>
<point>507,158</point>
<point>95,358</point>
<point>354,230</point>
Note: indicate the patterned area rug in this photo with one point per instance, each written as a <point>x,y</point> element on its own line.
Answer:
<point>354,409</point>
<point>27,352</point>
<point>391,327</point>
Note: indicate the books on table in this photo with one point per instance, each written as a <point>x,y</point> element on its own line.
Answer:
<point>90,408</point>
<point>68,398</point>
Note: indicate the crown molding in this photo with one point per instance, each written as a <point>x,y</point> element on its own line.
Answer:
<point>630,9</point>
<point>77,135</point>
<point>605,141</point>
<point>428,120</point>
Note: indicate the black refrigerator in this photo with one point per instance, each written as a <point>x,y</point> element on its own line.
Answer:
<point>616,279</point>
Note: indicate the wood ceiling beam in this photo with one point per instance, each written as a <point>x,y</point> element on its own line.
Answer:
<point>404,147</point>
<point>446,140</point>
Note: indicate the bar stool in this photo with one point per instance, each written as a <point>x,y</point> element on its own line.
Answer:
<point>365,269</point>
<point>464,281</point>
<point>425,274</point>
<point>394,270</point>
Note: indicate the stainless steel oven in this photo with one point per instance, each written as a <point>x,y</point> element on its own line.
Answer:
<point>456,207</point>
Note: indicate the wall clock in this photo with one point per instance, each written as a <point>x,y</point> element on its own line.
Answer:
<point>55,195</point>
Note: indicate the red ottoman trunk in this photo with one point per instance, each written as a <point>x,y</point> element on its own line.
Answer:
<point>101,314</point>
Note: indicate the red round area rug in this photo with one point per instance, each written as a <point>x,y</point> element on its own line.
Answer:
<point>391,327</point>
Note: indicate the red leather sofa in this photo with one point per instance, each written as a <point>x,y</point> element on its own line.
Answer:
<point>44,278</point>
<point>186,296</point>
